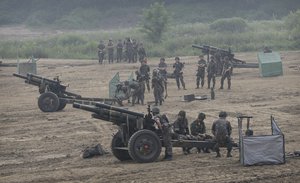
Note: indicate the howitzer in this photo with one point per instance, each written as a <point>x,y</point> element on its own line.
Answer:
<point>54,96</point>
<point>211,50</point>
<point>137,138</point>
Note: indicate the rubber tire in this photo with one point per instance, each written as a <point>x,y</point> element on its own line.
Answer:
<point>62,105</point>
<point>48,102</point>
<point>120,154</point>
<point>144,137</point>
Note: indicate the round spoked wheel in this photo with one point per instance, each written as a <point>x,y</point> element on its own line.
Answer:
<point>48,102</point>
<point>144,146</point>
<point>116,144</point>
<point>62,104</point>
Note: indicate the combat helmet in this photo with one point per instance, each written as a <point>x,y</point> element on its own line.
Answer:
<point>223,114</point>
<point>201,115</point>
<point>155,110</point>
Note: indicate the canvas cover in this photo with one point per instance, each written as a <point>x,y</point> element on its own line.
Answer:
<point>263,149</point>
<point>24,68</point>
<point>113,85</point>
<point>269,64</point>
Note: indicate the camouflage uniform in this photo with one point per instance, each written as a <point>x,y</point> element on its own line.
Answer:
<point>201,72</point>
<point>227,70</point>
<point>129,50</point>
<point>144,71</point>
<point>221,129</point>
<point>135,50</point>
<point>158,88</point>
<point>110,50</point>
<point>163,124</point>
<point>211,72</point>
<point>119,51</point>
<point>141,52</point>
<point>101,48</point>
<point>162,67</point>
<point>198,129</point>
<point>178,73</point>
<point>181,129</point>
<point>137,91</point>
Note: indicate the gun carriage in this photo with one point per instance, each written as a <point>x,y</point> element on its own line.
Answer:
<point>54,96</point>
<point>211,50</point>
<point>137,138</point>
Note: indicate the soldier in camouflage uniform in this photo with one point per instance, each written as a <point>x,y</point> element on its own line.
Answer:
<point>181,129</point>
<point>162,67</point>
<point>198,130</point>
<point>101,48</point>
<point>211,72</point>
<point>137,91</point>
<point>158,88</point>
<point>201,71</point>
<point>221,129</point>
<point>145,72</point>
<point>227,70</point>
<point>163,124</point>
<point>129,50</point>
<point>110,50</point>
<point>141,52</point>
<point>119,50</point>
<point>178,66</point>
<point>135,50</point>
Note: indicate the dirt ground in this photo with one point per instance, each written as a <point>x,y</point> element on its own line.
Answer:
<point>47,147</point>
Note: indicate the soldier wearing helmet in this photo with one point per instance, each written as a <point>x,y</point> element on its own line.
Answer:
<point>110,50</point>
<point>163,124</point>
<point>198,130</point>
<point>181,129</point>
<point>178,73</point>
<point>221,129</point>
<point>226,73</point>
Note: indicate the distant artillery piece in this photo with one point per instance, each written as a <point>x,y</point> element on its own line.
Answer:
<point>54,96</point>
<point>211,50</point>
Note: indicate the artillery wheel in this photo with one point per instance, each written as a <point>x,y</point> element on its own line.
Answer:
<point>120,154</point>
<point>62,105</point>
<point>144,146</point>
<point>48,102</point>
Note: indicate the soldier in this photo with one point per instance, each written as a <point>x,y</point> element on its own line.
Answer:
<point>145,72</point>
<point>181,128</point>
<point>137,91</point>
<point>141,52</point>
<point>227,70</point>
<point>201,71</point>
<point>110,50</point>
<point>178,73</point>
<point>135,50</point>
<point>162,67</point>
<point>141,81</point>
<point>163,124</point>
<point>101,48</point>
<point>119,50</point>
<point>198,129</point>
<point>221,129</point>
<point>129,50</point>
<point>211,72</point>
<point>158,88</point>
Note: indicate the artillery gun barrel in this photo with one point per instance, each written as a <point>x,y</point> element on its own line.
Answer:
<point>110,107</point>
<point>90,108</point>
<point>20,76</point>
<point>197,46</point>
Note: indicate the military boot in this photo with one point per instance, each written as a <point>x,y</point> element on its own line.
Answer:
<point>168,157</point>
<point>229,154</point>
<point>218,155</point>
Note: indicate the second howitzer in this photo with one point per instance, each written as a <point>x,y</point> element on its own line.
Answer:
<point>54,96</point>
<point>137,138</point>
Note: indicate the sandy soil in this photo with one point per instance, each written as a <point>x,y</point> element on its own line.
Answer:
<point>47,147</point>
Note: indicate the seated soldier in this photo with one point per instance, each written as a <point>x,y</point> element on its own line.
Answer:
<point>181,129</point>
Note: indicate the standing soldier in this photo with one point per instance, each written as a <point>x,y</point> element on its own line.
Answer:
<point>110,50</point>
<point>211,72</point>
<point>129,50</point>
<point>181,128</point>
<point>198,129</point>
<point>178,73</point>
<point>141,52</point>
<point>145,72</point>
<point>162,67</point>
<point>158,88</point>
<point>101,48</point>
<point>227,70</point>
<point>163,124</point>
<point>119,50</point>
<point>201,71</point>
<point>221,129</point>
<point>135,50</point>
